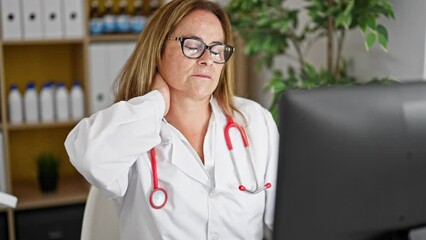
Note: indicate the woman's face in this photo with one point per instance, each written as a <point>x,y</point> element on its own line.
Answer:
<point>194,78</point>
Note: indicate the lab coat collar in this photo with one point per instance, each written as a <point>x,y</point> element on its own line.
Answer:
<point>190,165</point>
<point>181,147</point>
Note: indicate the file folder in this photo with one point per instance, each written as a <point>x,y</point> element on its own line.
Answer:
<point>73,18</point>
<point>105,62</point>
<point>98,77</point>
<point>52,19</point>
<point>31,12</point>
<point>11,19</point>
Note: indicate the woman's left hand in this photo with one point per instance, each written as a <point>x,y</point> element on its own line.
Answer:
<point>161,85</point>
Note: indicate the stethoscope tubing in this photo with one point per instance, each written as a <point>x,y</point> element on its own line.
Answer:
<point>156,189</point>
<point>154,168</point>
<point>230,124</point>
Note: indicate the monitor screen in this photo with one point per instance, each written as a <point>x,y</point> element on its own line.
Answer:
<point>352,162</point>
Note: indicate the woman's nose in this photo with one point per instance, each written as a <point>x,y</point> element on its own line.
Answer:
<point>205,59</point>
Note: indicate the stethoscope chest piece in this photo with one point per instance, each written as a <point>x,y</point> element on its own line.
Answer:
<point>158,198</point>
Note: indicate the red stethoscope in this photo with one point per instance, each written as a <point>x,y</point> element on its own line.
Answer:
<point>158,197</point>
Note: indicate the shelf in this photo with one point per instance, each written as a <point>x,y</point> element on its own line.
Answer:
<point>71,190</point>
<point>114,37</point>
<point>42,42</point>
<point>16,127</point>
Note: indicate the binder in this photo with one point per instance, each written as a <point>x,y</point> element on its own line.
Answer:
<point>31,13</point>
<point>97,77</point>
<point>114,52</point>
<point>52,19</point>
<point>116,55</point>
<point>11,19</point>
<point>73,18</point>
<point>105,62</point>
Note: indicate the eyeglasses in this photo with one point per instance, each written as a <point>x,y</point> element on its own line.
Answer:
<point>194,48</point>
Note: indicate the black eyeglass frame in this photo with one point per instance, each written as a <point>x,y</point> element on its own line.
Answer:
<point>206,47</point>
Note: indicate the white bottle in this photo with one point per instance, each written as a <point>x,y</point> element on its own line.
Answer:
<point>46,104</point>
<point>62,103</point>
<point>31,108</point>
<point>15,105</point>
<point>52,90</point>
<point>77,102</point>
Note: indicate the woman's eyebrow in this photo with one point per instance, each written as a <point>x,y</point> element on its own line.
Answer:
<point>217,42</point>
<point>196,37</point>
<point>199,38</point>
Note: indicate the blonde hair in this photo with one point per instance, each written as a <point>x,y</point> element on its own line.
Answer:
<point>137,75</point>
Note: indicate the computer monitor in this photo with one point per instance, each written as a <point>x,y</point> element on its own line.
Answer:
<point>352,163</point>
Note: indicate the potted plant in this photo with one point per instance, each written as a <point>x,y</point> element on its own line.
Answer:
<point>270,28</point>
<point>48,171</point>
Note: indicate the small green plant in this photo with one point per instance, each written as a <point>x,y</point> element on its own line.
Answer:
<point>48,171</point>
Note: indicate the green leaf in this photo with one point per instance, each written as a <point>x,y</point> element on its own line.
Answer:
<point>371,22</point>
<point>370,40</point>
<point>363,27</point>
<point>276,85</point>
<point>345,19</point>
<point>389,9</point>
<point>285,27</point>
<point>383,36</point>
<point>264,21</point>
<point>349,8</point>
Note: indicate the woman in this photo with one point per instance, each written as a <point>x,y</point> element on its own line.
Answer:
<point>174,101</point>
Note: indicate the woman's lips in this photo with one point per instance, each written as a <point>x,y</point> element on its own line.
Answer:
<point>202,76</point>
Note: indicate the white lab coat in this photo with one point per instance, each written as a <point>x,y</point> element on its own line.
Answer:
<point>111,150</point>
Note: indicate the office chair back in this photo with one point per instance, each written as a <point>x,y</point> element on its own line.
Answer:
<point>100,221</point>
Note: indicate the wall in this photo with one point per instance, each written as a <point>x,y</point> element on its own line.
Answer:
<point>405,59</point>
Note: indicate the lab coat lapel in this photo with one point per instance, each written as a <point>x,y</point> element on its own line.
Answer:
<point>221,153</point>
<point>184,160</point>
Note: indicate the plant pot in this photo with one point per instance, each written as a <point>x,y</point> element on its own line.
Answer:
<point>48,182</point>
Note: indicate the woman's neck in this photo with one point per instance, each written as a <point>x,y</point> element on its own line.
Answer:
<point>191,117</point>
<point>186,111</point>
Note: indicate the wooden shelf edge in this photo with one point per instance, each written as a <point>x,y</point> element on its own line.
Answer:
<point>113,37</point>
<point>25,126</point>
<point>42,42</point>
<point>71,190</point>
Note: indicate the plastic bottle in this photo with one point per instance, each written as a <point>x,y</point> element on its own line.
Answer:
<point>123,18</point>
<point>31,101</point>
<point>96,23</point>
<point>109,18</point>
<point>52,90</point>
<point>77,102</point>
<point>138,20</point>
<point>15,105</point>
<point>153,7</point>
<point>62,103</point>
<point>46,104</point>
